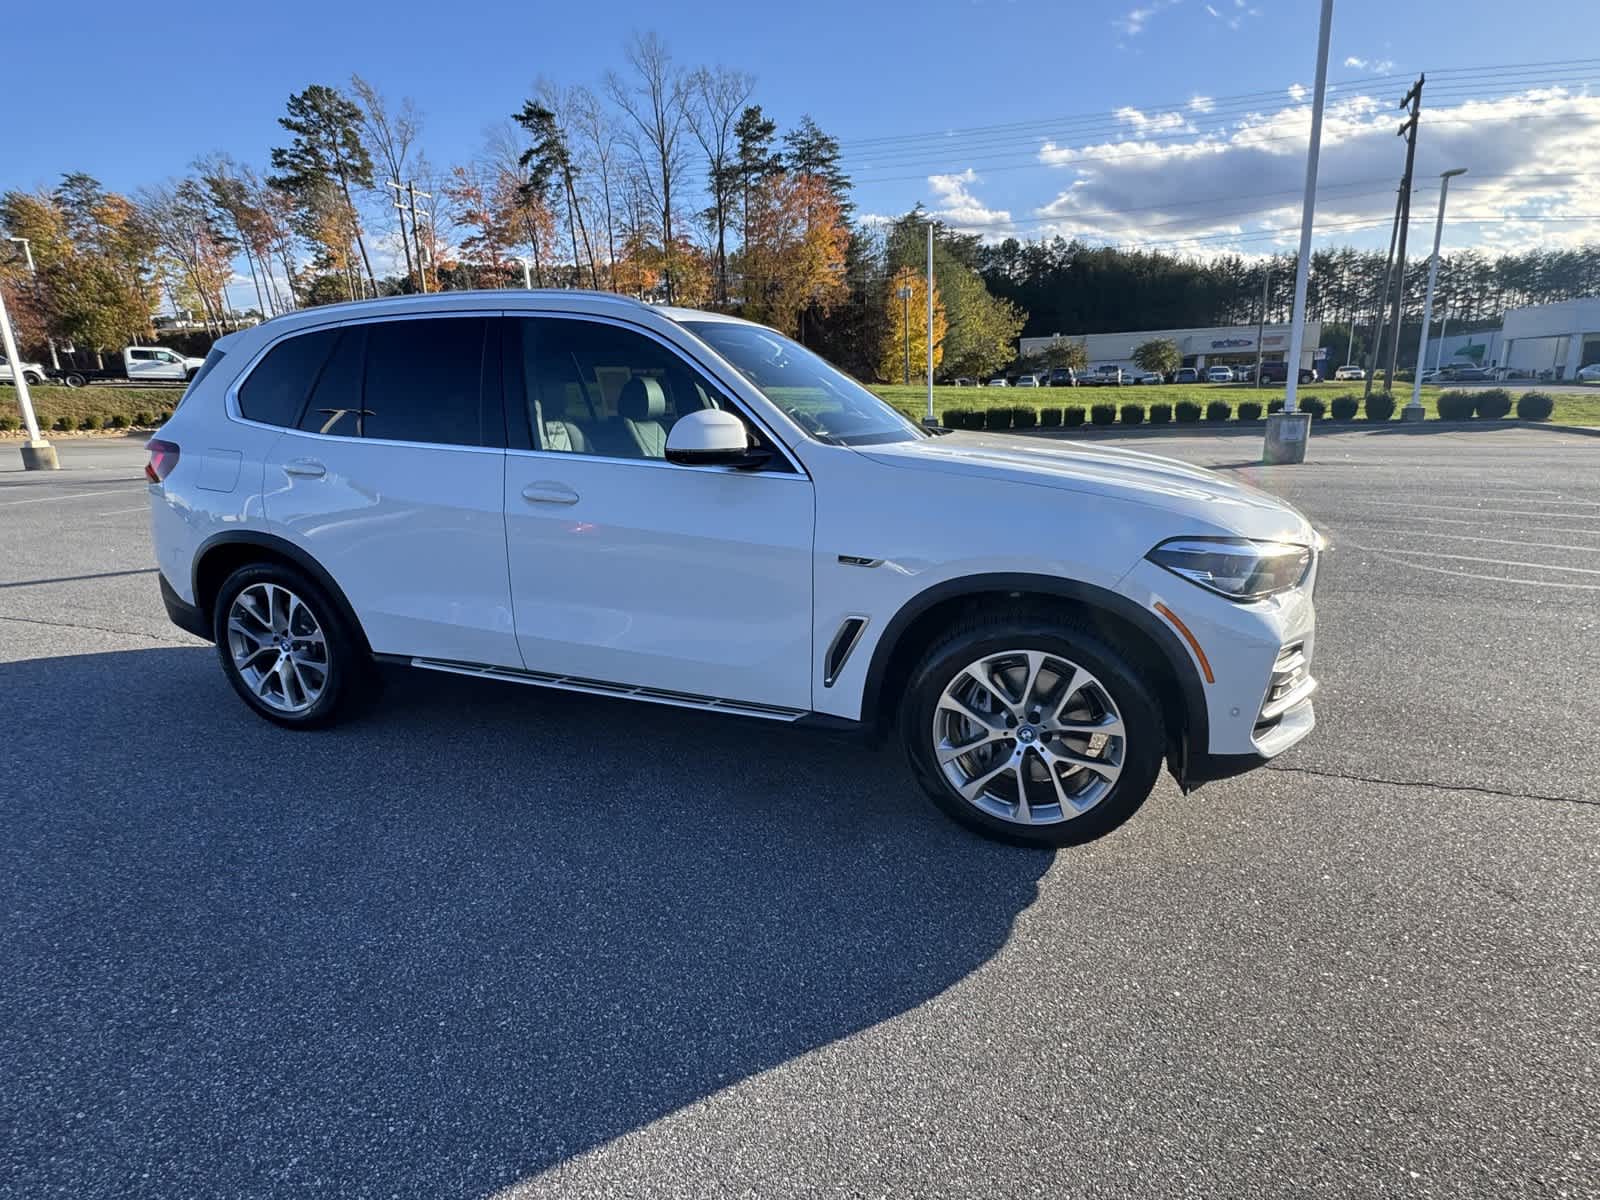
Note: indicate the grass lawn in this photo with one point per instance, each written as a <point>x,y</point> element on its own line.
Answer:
<point>1569,410</point>
<point>51,403</point>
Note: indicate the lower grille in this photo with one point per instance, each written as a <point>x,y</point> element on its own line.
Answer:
<point>1291,683</point>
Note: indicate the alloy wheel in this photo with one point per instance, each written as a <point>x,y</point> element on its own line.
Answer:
<point>278,648</point>
<point>1029,737</point>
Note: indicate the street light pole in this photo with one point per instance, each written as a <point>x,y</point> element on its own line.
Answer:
<point>33,273</point>
<point>928,419</point>
<point>37,454</point>
<point>1287,431</point>
<point>1413,411</point>
<point>905,321</point>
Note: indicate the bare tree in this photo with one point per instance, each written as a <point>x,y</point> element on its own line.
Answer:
<point>504,146</point>
<point>391,134</point>
<point>718,97</point>
<point>656,104</point>
<point>598,139</point>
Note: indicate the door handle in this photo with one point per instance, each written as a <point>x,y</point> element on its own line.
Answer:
<point>309,467</point>
<point>549,493</point>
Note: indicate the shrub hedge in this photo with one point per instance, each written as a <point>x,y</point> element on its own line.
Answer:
<point>7,424</point>
<point>1345,407</point>
<point>1379,406</point>
<point>997,418</point>
<point>1024,417</point>
<point>1314,405</point>
<point>1455,406</point>
<point>1186,411</point>
<point>1249,410</point>
<point>1103,414</point>
<point>1535,406</point>
<point>1050,418</point>
<point>1275,405</point>
<point>1160,414</point>
<point>1492,403</point>
<point>1218,410</point>
<point>1072,415</point>
<point>1132,414</point>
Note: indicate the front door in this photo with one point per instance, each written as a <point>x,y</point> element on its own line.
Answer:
<point>628,569</point>
<point>391,475</point>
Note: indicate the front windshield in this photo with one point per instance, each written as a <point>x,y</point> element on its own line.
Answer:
<point>822,400</point>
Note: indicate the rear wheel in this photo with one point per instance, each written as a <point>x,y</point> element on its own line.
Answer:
<point>33,377</point>
<point>286,649</point>
<point>74,380</point>
<point>1032,730</point>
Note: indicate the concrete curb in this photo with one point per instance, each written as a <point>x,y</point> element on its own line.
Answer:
<point>1319,428</point>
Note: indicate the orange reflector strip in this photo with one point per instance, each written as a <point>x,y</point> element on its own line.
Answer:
<point>1205,664</point>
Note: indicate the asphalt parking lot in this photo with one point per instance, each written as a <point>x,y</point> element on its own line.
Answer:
<point>496,942</point>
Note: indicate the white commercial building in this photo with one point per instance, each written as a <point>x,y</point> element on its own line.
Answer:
<point>1482,349</point>
<point>1558,338</point>
<point>1226,345</point>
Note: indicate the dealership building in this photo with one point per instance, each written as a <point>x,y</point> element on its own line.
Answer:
<point>1222,345</point>
<point>1554,338</point>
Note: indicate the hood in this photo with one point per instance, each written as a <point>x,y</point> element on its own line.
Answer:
<point>1206,498</point>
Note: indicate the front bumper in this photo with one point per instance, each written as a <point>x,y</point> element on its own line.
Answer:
<point>181,613</point>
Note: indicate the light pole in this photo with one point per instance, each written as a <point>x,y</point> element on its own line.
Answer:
<point>33,273</point>
<point>928,420</point>
<point>527,274</point>
<point>1287,431</point>
<point>1444,324</point>
<point>37,454</point>
<point>905,315</point>
<point>1413,411</point>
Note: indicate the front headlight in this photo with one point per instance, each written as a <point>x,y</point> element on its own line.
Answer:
<point>1237,568</point>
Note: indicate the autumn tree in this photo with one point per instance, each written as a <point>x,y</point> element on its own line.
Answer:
<point>549,161</point>
<point>755,159</point>
<point>390,131</point>
<point>327,151</point>
<point>905,350</point>
<point>655,102</point>
<point>489,230</point>
<point>718,98</point>
<point>793,256</point>
<point>198,264</point>
<point>1160,355</point>
<point>809,151</point>
<point>983,328</point>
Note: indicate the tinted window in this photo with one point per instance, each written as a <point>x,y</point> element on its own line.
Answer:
<point>141,355</point>
<point>593,388</point>
<point>424,382</point>
<point>335,405</point>
<point>276,390</point>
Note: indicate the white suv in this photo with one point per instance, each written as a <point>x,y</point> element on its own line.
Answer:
<point>578,491</point>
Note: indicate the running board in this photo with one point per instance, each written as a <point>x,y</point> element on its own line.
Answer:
<point>594,687</point>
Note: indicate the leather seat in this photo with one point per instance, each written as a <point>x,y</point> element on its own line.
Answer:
<point>642,404</point>
<point>557,431</point>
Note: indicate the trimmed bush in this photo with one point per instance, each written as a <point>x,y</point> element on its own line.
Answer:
<point>1535,406</point>
<point>89,423</point>
<point>1345,407</point>
<point>1133,414</point>
<point>1024,418</point>
<point>1072,415</point>
<point>997,418</point>
<point>1218,410</point>
<point>62,424</point>
<point>1103,414</point>
<point>1186,411</point>
<point>1050,418</point>
<point>142,419</point>
<point>1456,406</point>
<point>1160,414</point>
<point>1379,406</point>
<point>1249,410</point>
<point>7,424</point>
<point>1315,406</point>
<point>1492,403</point>
<point>110,422</point>
<point>954,418</point>
<point>1274,406</point>
<point>118,421</point>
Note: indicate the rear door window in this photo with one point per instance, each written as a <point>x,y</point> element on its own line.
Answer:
<point>275,391</point>
<point>425,381</point>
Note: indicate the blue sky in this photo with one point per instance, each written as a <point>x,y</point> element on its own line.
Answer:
<point>1184,130</point>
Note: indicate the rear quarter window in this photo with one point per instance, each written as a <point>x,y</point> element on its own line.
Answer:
<point>275,391</point>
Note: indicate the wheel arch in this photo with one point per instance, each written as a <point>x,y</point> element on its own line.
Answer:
<point>224,553</point>
<point>1154,647</point>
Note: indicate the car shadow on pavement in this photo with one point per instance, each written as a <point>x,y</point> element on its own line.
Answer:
<point>438,950</point>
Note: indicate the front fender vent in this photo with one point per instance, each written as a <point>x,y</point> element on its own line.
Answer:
<point>840,649</point>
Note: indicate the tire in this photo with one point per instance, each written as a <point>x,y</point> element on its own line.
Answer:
<point>73,380</point>
<point>33,378</point>
<point>1127,759</point>
<point>286,697</point>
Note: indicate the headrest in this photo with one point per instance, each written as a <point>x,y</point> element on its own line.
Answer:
<point>642,400</point>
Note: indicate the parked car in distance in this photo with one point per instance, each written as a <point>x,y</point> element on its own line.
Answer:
<point>1278,372</point>
<point>1027,381</point>
<point>1219,374</point>
<point>32,372</point>
<point>137,364</point>
<point>1062,377</point>
<point>1187,375</point>
<point>963,381</point>
<point>1350,371</point>
<point>1145,377</point>
<point>400,481</point>
<point>1106,375</point>
<point>1453,373</point>
<point>1590,374</point>
<point>999,381</point>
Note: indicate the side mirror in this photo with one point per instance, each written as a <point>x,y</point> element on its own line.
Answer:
<point>712,437</point>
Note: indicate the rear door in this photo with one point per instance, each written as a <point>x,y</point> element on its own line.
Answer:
<point>392,477</point>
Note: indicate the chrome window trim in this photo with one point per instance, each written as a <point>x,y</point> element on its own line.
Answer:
<point>732,394</point>
<point>231,396</point>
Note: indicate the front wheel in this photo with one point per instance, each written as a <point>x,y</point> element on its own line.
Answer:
<point>1031,729</point>
<point>33,377</point>
<point>74,380</point>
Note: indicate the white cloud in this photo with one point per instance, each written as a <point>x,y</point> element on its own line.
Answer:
<point>1212,11</point>
<point>1201,104</point>
<point>1359,64</point>
<point>955,204</point>
<point>1297,91</point>
<point>1378,66</point>
<point>1160,123</point>
<point>1133,22</point>
<point>1526,154</point>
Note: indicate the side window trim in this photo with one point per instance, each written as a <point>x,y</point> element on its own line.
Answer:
<point>515,382</point>
<point>488,394</point>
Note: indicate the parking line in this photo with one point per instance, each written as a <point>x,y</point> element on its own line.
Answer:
<point>117,512</point>
<point>1541,583</point>
<point>69,496</point>
<point>1498,562</point>
<point>1480,523</point>
<point>1496,510</point>
<point>1467,537</point>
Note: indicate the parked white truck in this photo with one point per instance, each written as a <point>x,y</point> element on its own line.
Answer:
<point>31,371</point>
<point>136,364</point>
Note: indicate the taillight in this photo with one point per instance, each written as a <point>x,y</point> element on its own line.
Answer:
<point>163,457</point>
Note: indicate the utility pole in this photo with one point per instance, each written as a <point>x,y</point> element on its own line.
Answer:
<point>1413,411</point>
<point>905,318</point>
<point>1444,323</point>
<point>1408,130</point>
<point>1261,325</point>
<point>1383,299</point>
<point>928,420</point>
<point>37,454</point>
<point>404,244</point>
<point>1289,430</point>
<point>410,204</point>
